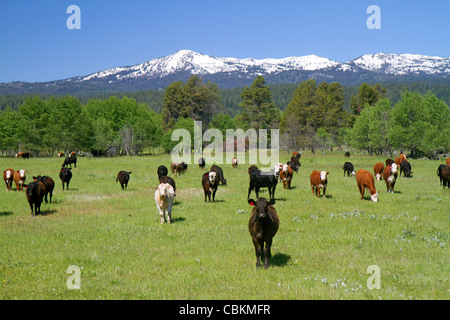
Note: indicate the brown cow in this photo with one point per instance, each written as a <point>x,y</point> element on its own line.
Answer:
<point>400,159</point>
<point>390,176</point>
<point>8,176</point>
<point>210,184</point>
<point>364,180</point>
<point>234,162</point>
<point>19,179</point>
<point>286,175</point>
<point>319,180</point>
<point>447,161</point>
<point>24,155</point>
<point>378,170</point>
<point>49,186</point>
<point>35,193</point>
<point>446,176</point>
<point>178,168</point>
<point>389,162</point>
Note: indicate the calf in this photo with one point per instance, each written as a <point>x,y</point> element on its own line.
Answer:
<point>260,180</point>
<point>178,168</point>
<point>219,174</point>
<point>8,176</point>
<point>389,162</point>
<point>446,177</point>
<point>23,155</point>
<point>169,180</point>
<point>438,172</point>
<point>49,186</point>
<point>234,162</point>
<point>378,170</point>
<point>35,192</point>
<point>123,177</point>
<point>201,163</point>
<point>210,183</point>
<point>19,179</point>
<point>390,176</point>
<point>162,171</point>
<point>348,169</point>
<point>69,160</point>
<point>347,154</point>
<point>364,180</point>
<point>318,181</point>
<point>286,176</point>
<point>263,226</point>
<point>295,163</point>
<point>164,196</point>
<point>65,175</point>
<point>405,167</point>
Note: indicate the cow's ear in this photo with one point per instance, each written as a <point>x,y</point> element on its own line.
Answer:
<point>34,178</point>
<point>328,173</point>
<point>25,186</point>
<point>251,202</point>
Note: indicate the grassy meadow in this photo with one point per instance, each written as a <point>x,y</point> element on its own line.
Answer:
<point>322,250</point>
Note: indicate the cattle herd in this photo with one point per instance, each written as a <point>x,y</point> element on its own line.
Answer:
<point>264,221</point>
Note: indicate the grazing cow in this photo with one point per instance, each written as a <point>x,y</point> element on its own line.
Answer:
<point>19,179</point>
<point>65,175</point>
<point>260,180</point>
<point>164,196</point>
<point>35,193</point>
<point>347,154</point>
<point>210,183</point>
<point>319,181</point>
<point>178,168</point>
<point>364,180</point>
<point>378,170</point>
<point>219,173</point>
<point>389,162</point>
<point>286,176</point>
<point>169,180</point>
<point>390,176</point>
<point>446,177</point>
<point>234,162</point>
<point>49,186</point>
<point>348,169</point>
<point>162,171</point>
<point>23,155</point>
<point>60,154</point>
<point>438,172</point>
<point>8,176</point>
<point>263,226</point>
<point>69,160</point>
<point>201,163</point>
<point>123,177</point>
<point>447,161</point>
<point>405,167</point>
<point>277,170</point>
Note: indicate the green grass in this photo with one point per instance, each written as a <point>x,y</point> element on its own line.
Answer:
<point>322,250</point>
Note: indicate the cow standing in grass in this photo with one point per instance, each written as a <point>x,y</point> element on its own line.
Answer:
<point>35,192</point>
<point>319,181</point>
<point>65,175</point>
<point>365,180</point>
<point>123,177</point>
<point>8,176</point>
<point>210,183</point>
<point>164,196</point>
<point>390,176</point>
<point>49,186</point>
<point>19,179</point>
<point>378,170</point>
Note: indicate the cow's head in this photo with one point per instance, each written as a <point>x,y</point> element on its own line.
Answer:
<point>261,205</point>
<point>212,177</point>
<point>323,176</point>
<point>22,173</point>
<point>8,174</point>
<point>393,168</point>
<point>164,190</point>
<point>374,196</point>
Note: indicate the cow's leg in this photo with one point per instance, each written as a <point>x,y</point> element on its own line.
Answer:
<point>267,253</point>
<point>31,206</point>
<point>258,251</point>
<point>257,192</point>
<point>161,215</point>
<point>169,214</point>
<point>214,194</point>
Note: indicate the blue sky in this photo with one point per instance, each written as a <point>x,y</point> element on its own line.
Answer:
<point>36,44</point>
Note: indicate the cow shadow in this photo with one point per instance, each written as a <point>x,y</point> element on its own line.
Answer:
<point>280,260</point>
<point>6,213</point>
<point>178,219</point>
<point>47,212</point>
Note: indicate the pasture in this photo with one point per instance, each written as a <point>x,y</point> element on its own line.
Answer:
<point>322,250</point>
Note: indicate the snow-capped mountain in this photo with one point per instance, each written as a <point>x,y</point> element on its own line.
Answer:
<point>233,72</point>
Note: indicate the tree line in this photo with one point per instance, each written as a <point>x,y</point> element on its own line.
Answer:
<point>315,116</point>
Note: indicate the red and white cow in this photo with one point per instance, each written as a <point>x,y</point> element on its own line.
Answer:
<point>286,176</point>
<point>390,176</point>
<point>19,179</point>
<point>378,170</point>
<point>234,162</point>
<point>8,176</point>
<point>364,180</point>
<point>319,181</point>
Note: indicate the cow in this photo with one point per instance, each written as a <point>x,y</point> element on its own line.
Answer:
<point>169,180</point>
<point>219,172</point>
<point>35,192</point>
<point>277,170</point>
<point>389,162</point>
<point>438,172</point>
<point>123,177</point>
<point>286,176</point>
<point>49,186</point>
<point>405,168</point>
<point>295,163</point>
<point>19,179</point>
<point>364,180</point>
<point>348,169</point>
<point>201,163</point>
<point>347,154</point>
<point>65,175</point>
<point>23,155</point>
<point>164,196</point>
<point>8,176</point>
<point>72,154</point>
<point>178,168</point>
<point>390,176</point>
<point>162,171</point>
<point>60,154</point>
<point>259,179</point>
<point>378,170</point>
<point>210,183</point>
<point>252,168</point>
<point>447,161</point>
<point>446,177</point>
<point>263,226</point>
<point>319,181</point>
<point>234,162</point>
<point>69,160</point>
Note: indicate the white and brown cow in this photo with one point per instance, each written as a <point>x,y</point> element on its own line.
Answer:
<point>364,180</point>
<point>8,176</point>
<point>164,197</point>
<point>319,181</point>
<point>390,176</point>
<point>19,179</point>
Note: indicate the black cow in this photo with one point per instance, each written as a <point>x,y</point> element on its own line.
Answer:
<point>162,171</point>
<point>405,167</point>
<point>439,172</point>
<point>219,173</point>
<point>259,180</point>
<point>49,186</point>
<point>349,169</point>
<point>169,180</point>
<point>201,163</point>
<point>35,193</point>
<point>69,160</point>
<point>65,175</point>
<point>347,154</point>
<point>123,177</point>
